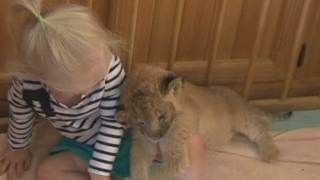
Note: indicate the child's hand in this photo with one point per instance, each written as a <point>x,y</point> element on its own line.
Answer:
<point>15,163</point>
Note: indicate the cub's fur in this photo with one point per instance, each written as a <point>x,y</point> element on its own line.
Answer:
<point>164,109</point>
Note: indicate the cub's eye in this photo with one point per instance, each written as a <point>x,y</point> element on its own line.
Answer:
<point>162,117</point>
<point>141,124</point>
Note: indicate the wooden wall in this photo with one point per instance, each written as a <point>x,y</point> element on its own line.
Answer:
<point>244,43</point>
<point>263,49</point>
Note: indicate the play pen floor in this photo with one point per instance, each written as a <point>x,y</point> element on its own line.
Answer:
<point>298,140</point>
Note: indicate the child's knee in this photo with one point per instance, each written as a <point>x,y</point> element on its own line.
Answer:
<point>45,170</point>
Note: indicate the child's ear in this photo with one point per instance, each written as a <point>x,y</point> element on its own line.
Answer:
<point>172,85</point>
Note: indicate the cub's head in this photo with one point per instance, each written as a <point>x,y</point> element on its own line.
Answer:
<point>145,104</point>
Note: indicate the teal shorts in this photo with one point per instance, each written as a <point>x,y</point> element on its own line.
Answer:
<point>121,167</point>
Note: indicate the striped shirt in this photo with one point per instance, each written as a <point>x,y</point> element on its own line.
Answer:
<point>91,121</point>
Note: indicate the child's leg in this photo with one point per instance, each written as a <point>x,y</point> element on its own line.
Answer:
<point>63,166</point>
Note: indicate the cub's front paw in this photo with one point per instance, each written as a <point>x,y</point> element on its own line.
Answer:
<point>138,171</point>
<point>178,164</point>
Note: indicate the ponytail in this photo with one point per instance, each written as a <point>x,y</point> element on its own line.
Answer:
<point>32,6</point>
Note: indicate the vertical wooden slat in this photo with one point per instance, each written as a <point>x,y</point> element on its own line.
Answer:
<point>114,17</point>
<point>230,29</point>
<point>154,4</point>
<point>133,33</point>
<point>90,4</point>
<point>257,46</point>
<point>271,29</point>
<point>314,25</point>
<point>296,48</point>
<point>221,17</point>
<point>176,35</point>
<point>281,37</point>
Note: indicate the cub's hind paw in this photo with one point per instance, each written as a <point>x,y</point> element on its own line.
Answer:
<point>177,166</point>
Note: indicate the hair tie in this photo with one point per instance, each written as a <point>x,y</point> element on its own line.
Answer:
<point>40,18</point>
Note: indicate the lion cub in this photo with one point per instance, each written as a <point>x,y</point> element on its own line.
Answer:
<point>163,109</point>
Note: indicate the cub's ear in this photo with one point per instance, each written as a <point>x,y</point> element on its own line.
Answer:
<point>172,85</point>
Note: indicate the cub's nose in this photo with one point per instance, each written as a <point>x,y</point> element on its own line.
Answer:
<point>156,135</point>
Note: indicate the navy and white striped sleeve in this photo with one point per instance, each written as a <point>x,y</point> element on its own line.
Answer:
<point>110,132</point>
<point>21,118</point>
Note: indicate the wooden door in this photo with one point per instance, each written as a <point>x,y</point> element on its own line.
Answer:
<point>184,32</point>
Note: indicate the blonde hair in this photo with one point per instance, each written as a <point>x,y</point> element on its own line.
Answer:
<point>63,38</point>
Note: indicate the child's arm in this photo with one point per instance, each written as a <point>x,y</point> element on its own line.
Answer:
<point>17,159</point>
<point>111,131</point>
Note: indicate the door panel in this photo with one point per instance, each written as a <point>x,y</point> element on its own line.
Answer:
<point>156,22</point>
